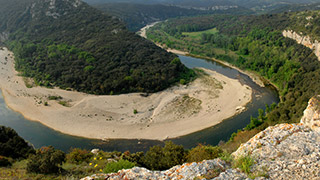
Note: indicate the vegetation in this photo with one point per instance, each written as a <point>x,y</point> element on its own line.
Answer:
<point>79,156</point>
<point>253,43</point>
<point>244,163</point>
<point>5,162</point>
<point>137,16</point>
<point>161,158</point>
<point>116,166</point>
<point>47,160</point>
<point>201,152</point>
<point>50,163</point>
<point>12,145</point>
<point>103,57</point>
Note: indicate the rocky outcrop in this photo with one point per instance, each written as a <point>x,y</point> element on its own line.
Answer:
<point>183,172</point>
<point>311,115</point>
<point>4,36</point>
<point>304,40</point>
<point>284,151</point>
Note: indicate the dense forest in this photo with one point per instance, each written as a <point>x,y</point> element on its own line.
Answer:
<point>253,43</point>
<point>74,46</point>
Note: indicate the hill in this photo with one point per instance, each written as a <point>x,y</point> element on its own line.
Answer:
<point>136,16</point>
<point>259,6</point>
<point>68,44</point>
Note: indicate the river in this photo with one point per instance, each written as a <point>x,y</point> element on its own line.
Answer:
<point>40,135</point>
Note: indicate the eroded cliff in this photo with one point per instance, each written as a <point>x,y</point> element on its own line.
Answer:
<point>304,40</point>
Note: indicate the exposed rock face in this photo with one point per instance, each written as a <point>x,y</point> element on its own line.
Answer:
<point>4,36</point>
<point>183,172</point>
<point>285,151</point>
<point>311,115</point>
<point>304,40</point>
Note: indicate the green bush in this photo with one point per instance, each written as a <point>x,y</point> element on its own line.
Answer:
<point>78,156</point>
<point>116,166</point>
<point>183,82</point>
<point>161,158</point>
<point>136,158</point>
<point>244,163</point>
<point>12,145</point>
<point>202,152</point>
<point>54,97</point>
<point>4,162</point>
<point>47,160</point>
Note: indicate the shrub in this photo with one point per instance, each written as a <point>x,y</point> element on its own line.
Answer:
<point>54,97</point>
<point>12,145</point>
<point>135,111</point>
<point>158,158</point>
<point>183,82</point>
<point>202,152</point>
<point>116,166</point>
<point>64,103</point>
<point>244,163</point>
<point>136,158</point>
<point>4,162</point>
<point>47,160</point>
<point>78,156</point>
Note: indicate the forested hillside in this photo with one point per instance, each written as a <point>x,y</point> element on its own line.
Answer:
<point>254,43</point>
<point>68,44</point>
<point>295,7</point>
<point>136,16</point>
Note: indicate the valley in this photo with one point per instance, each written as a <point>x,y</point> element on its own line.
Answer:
<point>209,86</point>
<point>180,110</point>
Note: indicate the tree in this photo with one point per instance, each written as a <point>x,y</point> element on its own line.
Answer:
<point>161,158</point>
<point>47,160</point>
<point>12,145</point>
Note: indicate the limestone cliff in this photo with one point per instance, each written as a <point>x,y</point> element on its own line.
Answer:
<point>284,151</point>
<point>304,40</point>
<point>311,116</point>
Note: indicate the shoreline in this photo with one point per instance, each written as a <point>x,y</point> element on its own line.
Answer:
<point>259,80</point>
<point>171,113</point>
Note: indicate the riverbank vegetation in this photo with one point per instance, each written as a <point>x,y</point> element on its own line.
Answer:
<point>253,43</point>
<point>51,163</point>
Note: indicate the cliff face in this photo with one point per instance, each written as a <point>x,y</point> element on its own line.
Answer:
<point>304,40</point>
<point>311,115</point>
<point>284,151</point>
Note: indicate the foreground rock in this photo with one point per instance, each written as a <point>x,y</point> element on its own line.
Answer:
<point>285,151</point>
<point>185,171</point>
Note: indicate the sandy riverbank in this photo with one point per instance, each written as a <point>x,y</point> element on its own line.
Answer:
<point>255,78</point>
<point>177,111</point>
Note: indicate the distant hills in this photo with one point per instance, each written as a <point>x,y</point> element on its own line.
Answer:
<point>138,13</point>
<point>137,16</point>
<point>256,5</point>
<point>68,44</point>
